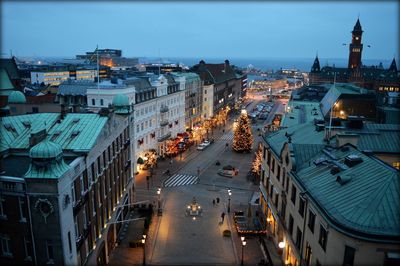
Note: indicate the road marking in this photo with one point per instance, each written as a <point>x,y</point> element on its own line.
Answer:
<point>227,136</point>
<point>180,180</point>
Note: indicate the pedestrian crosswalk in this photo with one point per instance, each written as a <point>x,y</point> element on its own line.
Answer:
<point>227,136</point>
<point>180,180</point>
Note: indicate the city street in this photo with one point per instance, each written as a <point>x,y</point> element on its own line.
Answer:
<point>175,238</point>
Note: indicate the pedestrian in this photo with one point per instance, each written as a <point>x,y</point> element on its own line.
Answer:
<point>223,217</point>
<point>217,200</point>
<point>213,202</point>
<point>170,162</point>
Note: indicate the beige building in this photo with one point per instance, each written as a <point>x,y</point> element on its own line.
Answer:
<point>328,204</point>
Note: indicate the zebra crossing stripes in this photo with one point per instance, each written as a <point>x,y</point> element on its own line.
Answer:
<point>180,180</point>
<point>227,136</point>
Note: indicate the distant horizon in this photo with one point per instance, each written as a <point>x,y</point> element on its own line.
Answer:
<point>255,30</point>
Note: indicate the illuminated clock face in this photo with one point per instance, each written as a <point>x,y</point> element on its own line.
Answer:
<point>356,38</point>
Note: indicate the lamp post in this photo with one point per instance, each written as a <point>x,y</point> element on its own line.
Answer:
<point>229,200</point>
<point>144,249</point>
<point>159,200</point>
<point>243,244</point>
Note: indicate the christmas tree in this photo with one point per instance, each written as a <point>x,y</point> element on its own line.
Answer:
<point>242,138</point>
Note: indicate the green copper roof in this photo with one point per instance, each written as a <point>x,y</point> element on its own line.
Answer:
<point>47,161</point>
<point>45,149</point>
<point>299,134</point>
<point>6,86</point>
<point>75,133</point>
<point>120,100</point>
<point>16,97</point>
<point>366,204</point>
<point>189,77</point>
<point>300,112</point>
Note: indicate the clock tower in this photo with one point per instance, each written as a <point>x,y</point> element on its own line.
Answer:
<point>355,47</point>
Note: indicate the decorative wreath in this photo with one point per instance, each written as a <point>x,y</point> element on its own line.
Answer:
<point>45,207</point>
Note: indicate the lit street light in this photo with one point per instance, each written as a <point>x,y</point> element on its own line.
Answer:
<point>144,249</point>
<point>243,244</point>
<point>159,201</point>
<point>229,200</point>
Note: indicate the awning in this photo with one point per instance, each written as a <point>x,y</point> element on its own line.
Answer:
<point>140,160</point>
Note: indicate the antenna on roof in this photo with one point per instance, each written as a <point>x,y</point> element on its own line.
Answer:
<point>331,113</point>
<point>159,63</point>
<point>98,74</point>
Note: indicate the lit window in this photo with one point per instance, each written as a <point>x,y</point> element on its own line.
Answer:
<point>396,165</point>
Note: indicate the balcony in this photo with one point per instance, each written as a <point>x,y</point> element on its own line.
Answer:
<point>164,109</point>
<point>164,137</point>
<point>163,123</point>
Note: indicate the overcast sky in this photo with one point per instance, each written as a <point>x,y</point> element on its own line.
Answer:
<point>199,29</point>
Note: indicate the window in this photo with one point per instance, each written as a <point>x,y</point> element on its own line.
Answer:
<point>205,91</point>
<point>278,175</point>
<point>21,209</point>
<point>50,251</point>
<point>276,200</point>
<point>2,214</point>
<point>298,238</point>
<point>264,152</point>
<point>28,250</point>
<point>290,226</point>
<point>311,220</point>
<point>73,193</point>
<point>205,99</point>
<point>5,246</point>
<point>301,206</point>
<point>101,102</point>
<point>69,242</point>
<point>82,184</point>
<point>76,226</point>
<point>323,237</point>
<point>141,126</point>
<point>293,197</point>
<point>93,102</point>
<point>348,258</point>
<point>273,165</point>
<point>137,128</point>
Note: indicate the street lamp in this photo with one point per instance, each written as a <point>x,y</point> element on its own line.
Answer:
<point>159,200</point>
<point>229,200</point>
<point>243,244</point>
<point>144,249</point>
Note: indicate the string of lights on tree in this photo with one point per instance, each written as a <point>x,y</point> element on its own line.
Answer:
<point>242,138</point>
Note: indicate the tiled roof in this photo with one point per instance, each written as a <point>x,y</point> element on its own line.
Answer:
<point>76,132</point>
<point>214,73</point>
<point>365,201</point>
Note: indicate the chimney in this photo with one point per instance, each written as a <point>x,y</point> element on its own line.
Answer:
<point>37,137</point>
<point>344,138</point>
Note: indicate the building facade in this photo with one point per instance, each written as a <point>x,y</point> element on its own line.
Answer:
<point>71,188</point>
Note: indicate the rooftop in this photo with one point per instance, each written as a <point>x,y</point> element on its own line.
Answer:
<point>75,133</point>
<point>300,112</point>
<point>363,200</point>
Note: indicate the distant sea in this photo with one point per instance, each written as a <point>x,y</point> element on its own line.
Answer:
<point>303,64</point>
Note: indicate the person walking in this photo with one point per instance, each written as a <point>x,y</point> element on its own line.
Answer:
<point>217,200</point>
<point>213,202</point>
<point>223,217</point>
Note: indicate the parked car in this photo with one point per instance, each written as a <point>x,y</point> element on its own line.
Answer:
<point>206,143</point>
<point>201,147</point>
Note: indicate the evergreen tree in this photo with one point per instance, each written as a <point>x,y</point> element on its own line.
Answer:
<point>243,138</point>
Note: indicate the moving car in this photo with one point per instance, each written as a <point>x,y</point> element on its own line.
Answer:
<point>201,147</point>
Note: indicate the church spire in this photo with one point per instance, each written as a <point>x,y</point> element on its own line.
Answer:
<point>393,66</point>
<point>357,27</point>
<point>316,66</point>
